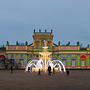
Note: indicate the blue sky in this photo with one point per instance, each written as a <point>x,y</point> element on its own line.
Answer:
<point>69,19</point>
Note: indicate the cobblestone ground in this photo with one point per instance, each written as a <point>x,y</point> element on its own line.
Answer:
<point>21,80</point>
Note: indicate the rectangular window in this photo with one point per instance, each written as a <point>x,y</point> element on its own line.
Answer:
<point>64,62</point>
<point>73,63</point>
<point>82,63</point>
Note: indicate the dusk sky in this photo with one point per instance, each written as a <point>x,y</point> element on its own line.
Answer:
<point>69,19</point>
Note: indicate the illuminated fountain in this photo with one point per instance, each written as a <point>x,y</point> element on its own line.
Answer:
<point>44,61</point>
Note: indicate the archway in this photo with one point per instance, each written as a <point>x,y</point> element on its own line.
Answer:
<point>2,58</point>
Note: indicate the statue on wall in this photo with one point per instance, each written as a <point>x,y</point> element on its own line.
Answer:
<point>45,43</point>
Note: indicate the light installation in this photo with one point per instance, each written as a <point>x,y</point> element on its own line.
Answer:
<point>44,61</point>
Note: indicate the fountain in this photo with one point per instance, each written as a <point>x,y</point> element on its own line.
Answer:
<point>44,61</point>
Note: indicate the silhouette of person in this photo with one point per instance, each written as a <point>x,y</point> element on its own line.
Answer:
<point>39,72</point>
<point>67,73</point>
<point>49,70</point>
<point>11,69</point>
<point>28,69</point>
<point>53,70</point>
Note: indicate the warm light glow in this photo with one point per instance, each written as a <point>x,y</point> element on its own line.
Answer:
<point>45,61</point>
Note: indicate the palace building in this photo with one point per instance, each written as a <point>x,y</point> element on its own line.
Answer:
<point>72,56</point>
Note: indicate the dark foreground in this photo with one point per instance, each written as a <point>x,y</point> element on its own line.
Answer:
<point>20,80</point>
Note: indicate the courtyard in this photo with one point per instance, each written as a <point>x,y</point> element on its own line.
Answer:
<point>21,80</point>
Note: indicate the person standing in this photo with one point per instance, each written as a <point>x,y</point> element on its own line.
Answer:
<point>39,72</point>
<point>28,69</point>
<point>49,70</point>
<point>11,69</point>
<point>67,72</point>
<point>53,70</point>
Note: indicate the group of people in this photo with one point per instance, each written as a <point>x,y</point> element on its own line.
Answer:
<point>39,72</point>
<point>49,71</point>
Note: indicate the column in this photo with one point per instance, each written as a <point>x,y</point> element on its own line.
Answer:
<point>58,56</point>
<point>88,60</point>
<point>27,58</point>
<point>69,61</point>
<point>16,56</point>
<point>78,62</point>
<point>24,60</point>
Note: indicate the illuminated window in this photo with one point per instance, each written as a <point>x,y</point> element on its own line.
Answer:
<point>73,63</point>
<point>83,63</point>
<point>64,61</point>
